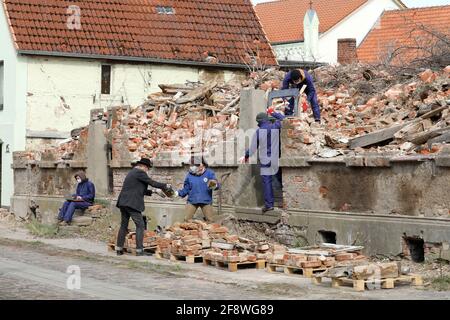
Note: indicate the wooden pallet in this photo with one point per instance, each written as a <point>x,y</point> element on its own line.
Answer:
<point>235,266</point>
<point>360,285</point>
<point>187,259</point>
<point>307,272</point>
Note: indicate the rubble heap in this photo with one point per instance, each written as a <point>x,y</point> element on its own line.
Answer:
<point>356,101</point>
<point>168,120</point>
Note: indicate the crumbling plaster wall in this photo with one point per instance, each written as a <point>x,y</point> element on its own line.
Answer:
<point>62,91</point>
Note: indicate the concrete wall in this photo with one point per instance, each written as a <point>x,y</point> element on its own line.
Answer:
<point>313,196</point>
<point>410,189</point>
<point>356,25</point>
<point>12,118</point>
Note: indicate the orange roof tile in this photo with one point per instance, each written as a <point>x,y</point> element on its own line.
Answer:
<point>227,29</point>
<point>283,20</point>
<point>401,31</point>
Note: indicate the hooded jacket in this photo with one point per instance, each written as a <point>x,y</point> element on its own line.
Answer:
<point>196,187</point>
<point>85,189</point>
<point>267,140</point>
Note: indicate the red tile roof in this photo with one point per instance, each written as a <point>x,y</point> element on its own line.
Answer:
<point>124,28</point>
<point>404,28</point>
<point>283,20</point>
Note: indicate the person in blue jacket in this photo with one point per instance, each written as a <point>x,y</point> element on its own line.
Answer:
<point>297,78</point>
<point>82,199</point>
<point>198,187</point>
<point>267,141</point>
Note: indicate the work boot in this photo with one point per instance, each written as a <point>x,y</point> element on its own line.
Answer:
<point>265,209</point>
<point>119,252</point>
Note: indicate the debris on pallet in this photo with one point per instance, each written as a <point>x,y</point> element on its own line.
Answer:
<point>370,275</point>
<point>309,260</point>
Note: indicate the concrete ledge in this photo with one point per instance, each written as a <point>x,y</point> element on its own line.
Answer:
<point>77,164</point>
<point>339,159</point>
<point>295,162</point>
<point>443,161</point>
<point>47,164</point>
<point>356,161</point>
<point>258,217</point>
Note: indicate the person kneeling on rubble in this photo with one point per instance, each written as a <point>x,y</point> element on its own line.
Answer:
<point>198,186</point>
<point>297,78</point>
<point>131,203</point>
<point>82,199</point>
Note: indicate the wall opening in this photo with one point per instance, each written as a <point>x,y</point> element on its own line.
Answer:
<point>328,236</point>
<point>416,248</point>
<point>106,79</point>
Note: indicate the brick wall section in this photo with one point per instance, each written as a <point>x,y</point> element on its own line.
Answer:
<point>175,176</point>
<point>347,51</point>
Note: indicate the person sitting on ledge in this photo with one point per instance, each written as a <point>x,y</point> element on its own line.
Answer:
<point>82,199</point>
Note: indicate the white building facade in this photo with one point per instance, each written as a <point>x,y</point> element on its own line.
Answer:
<point>356,25</point>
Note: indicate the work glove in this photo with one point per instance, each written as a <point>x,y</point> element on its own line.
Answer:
<point>160,193</point>
<point>212,184</point>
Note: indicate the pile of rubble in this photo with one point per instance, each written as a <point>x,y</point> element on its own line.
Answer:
<point>168,120</point>
<point>377,111</point>
<point>355,101</point>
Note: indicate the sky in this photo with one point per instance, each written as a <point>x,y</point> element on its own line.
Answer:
<point>408,3</point>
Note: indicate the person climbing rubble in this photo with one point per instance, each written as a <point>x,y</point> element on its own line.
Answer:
<point>267,140</point>
<point>297,78</point>
<point>82,199</point>
<point>198,186</point>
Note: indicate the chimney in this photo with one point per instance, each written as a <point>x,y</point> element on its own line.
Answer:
<point>311,35</point>
<point>347,51</point>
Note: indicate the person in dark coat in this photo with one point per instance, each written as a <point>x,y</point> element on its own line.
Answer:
<point>297,79</point>
<point>198,186</point>
<point>82,199</point>
<point>131,203</point>
<point>267,141</point>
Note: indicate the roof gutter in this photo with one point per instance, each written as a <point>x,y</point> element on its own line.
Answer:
<point>287,42</point>
<point>131,59</point>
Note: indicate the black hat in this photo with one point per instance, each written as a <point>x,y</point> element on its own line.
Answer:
<point>146,162</point>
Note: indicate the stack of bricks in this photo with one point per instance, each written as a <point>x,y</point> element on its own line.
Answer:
<point>150,240</point>
<point>189,238</point>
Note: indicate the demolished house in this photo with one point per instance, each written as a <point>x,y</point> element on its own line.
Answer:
<point>63,59</point>
<point>374,174</point>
